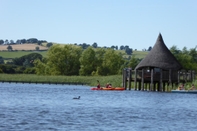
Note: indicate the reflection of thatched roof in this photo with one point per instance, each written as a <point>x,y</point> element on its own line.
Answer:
<point>160,57</point>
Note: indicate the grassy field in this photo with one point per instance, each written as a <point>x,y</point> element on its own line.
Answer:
<point>17,54</point>
<point>115,80</point>
<point>23,47</point>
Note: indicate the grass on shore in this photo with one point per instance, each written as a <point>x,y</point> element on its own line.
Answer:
<point>115,80</point>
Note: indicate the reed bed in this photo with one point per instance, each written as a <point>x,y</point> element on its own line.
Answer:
<point>115,80</point>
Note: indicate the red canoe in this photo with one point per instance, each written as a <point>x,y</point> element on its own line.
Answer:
<point>109,89</point>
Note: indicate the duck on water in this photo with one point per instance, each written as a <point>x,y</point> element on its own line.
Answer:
<point>77,97</point>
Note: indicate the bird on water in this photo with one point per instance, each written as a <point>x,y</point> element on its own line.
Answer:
<point>77,97</point>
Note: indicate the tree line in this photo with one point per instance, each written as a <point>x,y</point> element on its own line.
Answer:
<point>126,48</point>
<point>74,60</point>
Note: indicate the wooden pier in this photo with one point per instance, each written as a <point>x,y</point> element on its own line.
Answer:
<point>150,80</point>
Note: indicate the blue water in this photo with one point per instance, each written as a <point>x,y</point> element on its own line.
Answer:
<point>45,107</point>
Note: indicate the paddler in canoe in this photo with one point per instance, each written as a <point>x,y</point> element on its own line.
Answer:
<point>181,87</point>
<point>98,84</point>
<point>108,85</point>
<point>193,87</point>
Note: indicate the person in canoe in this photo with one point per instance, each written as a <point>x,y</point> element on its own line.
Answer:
<point>193,87</point>
<point>181,87</point>
<point>107,85</point>
<point>98,85</point>
<point>110,86</point>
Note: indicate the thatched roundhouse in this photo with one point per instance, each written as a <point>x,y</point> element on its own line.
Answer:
<point>160,57</point>
<point>158,67</point>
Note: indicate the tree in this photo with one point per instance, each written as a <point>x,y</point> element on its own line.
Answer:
<point>37,48</point>
<point>122,47</point>
<point>6,42</point>
<point>49,44</point>
<point>133,62</point>
<point>30,58</point>
<point>94,45</point>
<point>111,62</point>
<point>11,42</point>
<point>1,60</point>
<point>23,41</point>
<point>32,40</point>
<point>150,48</point>
<point>9,48</point>
<point>60,61</point>
<point>88,62</point>
<point>1,42</point>
<point>18,42</point>
<point>129,51</point>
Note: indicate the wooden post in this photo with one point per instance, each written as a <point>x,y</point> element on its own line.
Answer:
<point>170,79</point>
<point>161,80</point>
<point>125,79</point>
<point>142,80</point>
<point>135,84</point>
<point>129,80</point>
<point>151,84</point>
<point>178,77</point>
<point>193,76</point>
<point>139,86</point>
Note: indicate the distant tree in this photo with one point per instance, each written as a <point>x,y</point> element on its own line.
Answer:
<point>49,44</point>
<point>150,48</point>
<point>1,60</point>
<point>1,42</point>
<point>6,42</point>
<point>94,45</point>
<point>126,47</point>
<point>30,58</point>
<point>9,48</point>
<point>39,42</point>
<point>113,47</point>
<point>122,47</point>
<point>32,40</point>
<point>84,45</point>
<point>23,41</point>
<point>37,48</point>
<point>129,51</point>
<point>11,42</point>
<point>116,47</point>
<point>18,42</point>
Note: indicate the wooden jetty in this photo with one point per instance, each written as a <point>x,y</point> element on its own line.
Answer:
<point>157,70</point>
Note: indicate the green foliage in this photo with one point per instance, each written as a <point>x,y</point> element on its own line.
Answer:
<point>187,58</point>
<point>1,60</point>
<point>49,44</point>
<point>88,61</point>
<point>111,62</point>
<point>9,69</point>
<point>60,61</point>
<point>133,62</point>
<point>29,71</point>
<point>27,60</point>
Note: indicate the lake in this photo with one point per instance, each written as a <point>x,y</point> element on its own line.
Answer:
<point>47,107</point>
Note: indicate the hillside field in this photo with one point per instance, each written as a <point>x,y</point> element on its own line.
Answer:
<point>23,47</point>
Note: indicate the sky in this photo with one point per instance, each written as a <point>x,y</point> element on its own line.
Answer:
<point>136,23</point>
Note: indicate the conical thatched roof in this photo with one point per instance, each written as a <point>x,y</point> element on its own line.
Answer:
<point>160,57</point>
